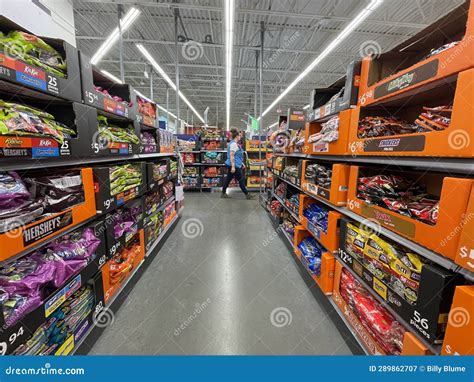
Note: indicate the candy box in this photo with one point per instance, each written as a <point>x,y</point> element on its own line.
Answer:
<point>19,76</point>
<point>422,298</point>
<point>102,93</point>
<point>116,184</point>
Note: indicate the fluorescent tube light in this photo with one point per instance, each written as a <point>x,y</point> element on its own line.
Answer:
<point>111,76</point>
<point>306,107</point>
<point>125,23</point>
<point>229,42</point>
<point>334,43</point>
<point>163,74</point>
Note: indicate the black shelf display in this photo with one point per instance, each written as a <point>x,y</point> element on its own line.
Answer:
<point>341,95</point>
<point>35,148</point>
<point>92,79</point>
<point>26,78</point>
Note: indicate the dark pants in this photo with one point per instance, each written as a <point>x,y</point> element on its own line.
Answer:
<point>238,174</point>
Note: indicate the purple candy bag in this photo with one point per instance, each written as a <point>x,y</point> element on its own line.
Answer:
<point>12,190</point>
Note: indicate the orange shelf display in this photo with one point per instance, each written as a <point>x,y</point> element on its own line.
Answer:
<point>113,283</point>
<point>329,239</point>
<point>24,237</point>
<point>325,280</point>
<point>454,141</point>
<point>458,25</point>
<point>453,199</point>
<point>411,345</point>
<point>338,147</point>
<point>460,329</point>
<point>337,194</point>
<point>465,252</point>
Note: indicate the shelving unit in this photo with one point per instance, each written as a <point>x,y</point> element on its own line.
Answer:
<point>84,163</point>
<point>351,104</point>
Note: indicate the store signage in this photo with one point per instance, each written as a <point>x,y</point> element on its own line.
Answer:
<point>46,227</point>
<point>415,143</point>
<point>413,77</point>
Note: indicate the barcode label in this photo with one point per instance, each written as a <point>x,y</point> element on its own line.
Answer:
<point>68,181</point>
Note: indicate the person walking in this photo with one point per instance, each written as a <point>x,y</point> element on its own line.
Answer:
<point>235,164</point>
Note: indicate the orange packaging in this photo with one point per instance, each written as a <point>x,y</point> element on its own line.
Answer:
<point>453,200</point>
<point>326,278</point>
<point>455,141</point>
<point>111,287</point>
<point>438,66</point>
<point>465,252</point>
<point>20,239</point>
<point>459,337</point>
<point>337,194</point>
<point>329,239</point>
<point>170,218</point>
<point>338,147</point>
<point>413,346</point>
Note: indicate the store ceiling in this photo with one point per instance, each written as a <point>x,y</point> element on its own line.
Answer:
<point>296,31</point>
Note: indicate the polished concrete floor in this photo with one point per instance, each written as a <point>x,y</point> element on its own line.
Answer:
<point>223,283</point>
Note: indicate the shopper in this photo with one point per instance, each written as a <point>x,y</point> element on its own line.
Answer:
<point>235,164</point>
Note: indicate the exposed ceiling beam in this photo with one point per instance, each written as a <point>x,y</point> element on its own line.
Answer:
<point>263,12</point>
<point>344,54</point>
<point>205,66</point>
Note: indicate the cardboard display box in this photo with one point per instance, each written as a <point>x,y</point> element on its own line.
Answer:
<point>133,209</point>
<point>90,77</point>
<point>411,345</point>
<point>337,194</point>
<point>329,239</point>
<point>453,141</point>
<point>105,201</point>
<point>14,148</point>
<point>325,279</point>
<point>434,237</point>
<point>465,253</point>
<point>15,334</point>
<point>114,279</point>
<point>406,68</point>
<point>22,238</point>
<point>103,147</point>
<point>148,117</point>
<point>19,77</point>
<point>458,338</point>
<point>426,311</point>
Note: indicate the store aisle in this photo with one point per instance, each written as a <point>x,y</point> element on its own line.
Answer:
<point>223,283</point>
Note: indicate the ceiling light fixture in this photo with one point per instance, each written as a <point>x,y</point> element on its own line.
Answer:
<point>125,23</point>
<point>163,74</point>
<point>229,42</point>
<point>111,76</point>
<point>334,43</point>
<point>306,107</point>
